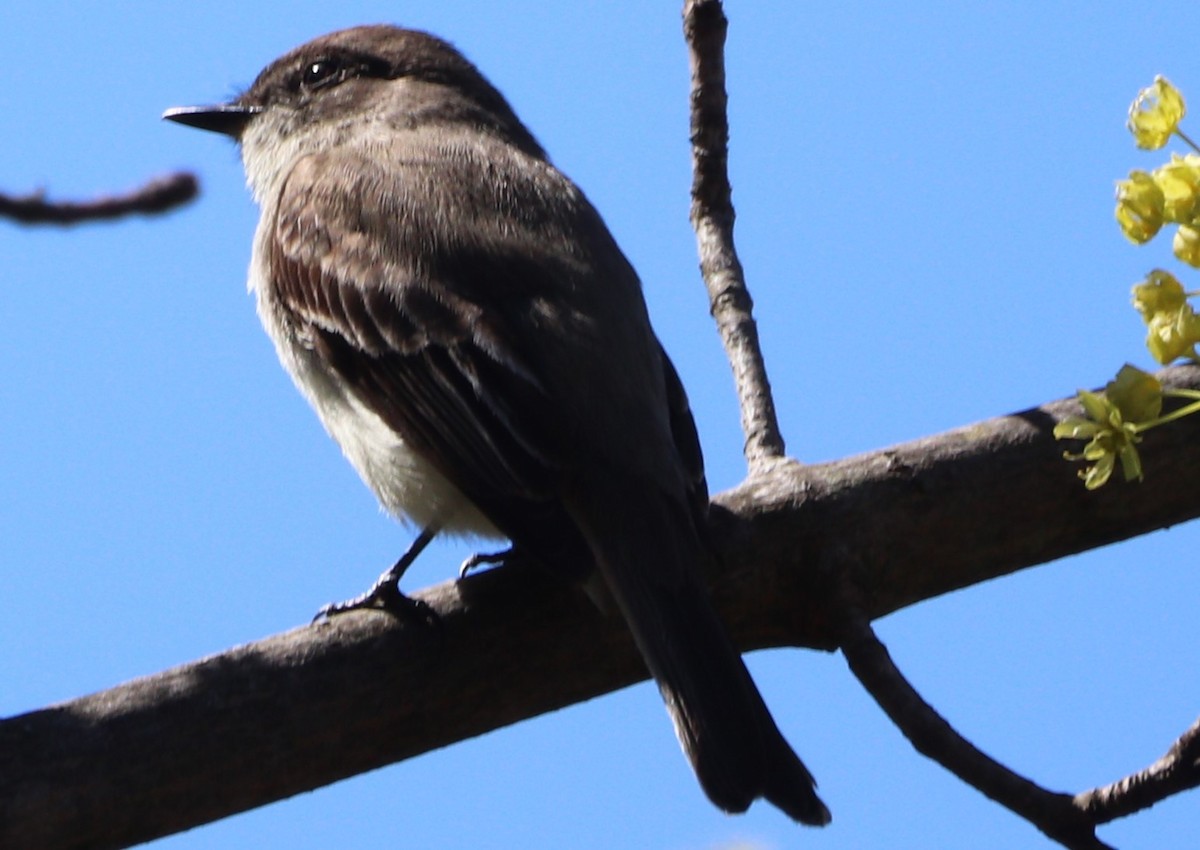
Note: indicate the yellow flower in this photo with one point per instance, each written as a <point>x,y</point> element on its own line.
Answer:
<point>1171,338</point>
<point>1172,326</point>
<point>1137,394</point>
<point>1187,245</point>
<point>1155,114</point>
<point>1112,424</point>
<point>1160,291</point>
<point>1140,204</point>
<point>1179,181</point>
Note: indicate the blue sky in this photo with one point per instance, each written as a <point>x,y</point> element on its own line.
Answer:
<point>924,195</point>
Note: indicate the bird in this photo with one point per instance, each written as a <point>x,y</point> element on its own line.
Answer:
<point>469,332</point>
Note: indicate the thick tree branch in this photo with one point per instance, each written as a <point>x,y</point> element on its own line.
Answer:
<point>712,217</point>
<point>160,195</point>
<point>306,708</point>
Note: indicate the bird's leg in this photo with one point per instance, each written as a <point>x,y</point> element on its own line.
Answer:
<point>385,593</point>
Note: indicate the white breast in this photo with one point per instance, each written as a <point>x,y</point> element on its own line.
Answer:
<point>404,482</point>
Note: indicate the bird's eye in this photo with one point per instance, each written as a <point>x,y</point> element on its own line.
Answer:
<point>321,73</point>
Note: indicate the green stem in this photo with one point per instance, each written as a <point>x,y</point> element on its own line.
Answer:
<point>1189,142</point>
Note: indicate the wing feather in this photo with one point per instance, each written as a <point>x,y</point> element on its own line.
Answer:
<point>449,375</point>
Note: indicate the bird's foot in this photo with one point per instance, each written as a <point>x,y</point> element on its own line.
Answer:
<point>385,593</point>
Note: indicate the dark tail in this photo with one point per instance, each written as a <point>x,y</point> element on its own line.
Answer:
<point>651,555</point>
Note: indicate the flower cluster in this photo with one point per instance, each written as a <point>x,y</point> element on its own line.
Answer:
<point>1173,328</point>
<point>1130,404</point>
<point>1170,194</point>
<point>1114,418</point>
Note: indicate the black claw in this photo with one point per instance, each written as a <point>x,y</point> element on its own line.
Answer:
<point>375,599</point>
<point>511,555</point>
<point>482,559</point>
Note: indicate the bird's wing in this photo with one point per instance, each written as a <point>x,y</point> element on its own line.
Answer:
<point>369,279</point>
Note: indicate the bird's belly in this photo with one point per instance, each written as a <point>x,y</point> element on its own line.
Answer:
<point>405,483</point>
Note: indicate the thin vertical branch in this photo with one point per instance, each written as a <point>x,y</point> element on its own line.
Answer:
<point>712,217</point>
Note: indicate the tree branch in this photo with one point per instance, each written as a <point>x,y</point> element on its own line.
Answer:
<point>712,216</point>
<point>160,195</point>
<point>300,710</point>
<point>1056,815</point>
<point>1178,770</point>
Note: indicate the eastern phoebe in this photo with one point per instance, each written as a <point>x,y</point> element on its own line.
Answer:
<point>470,334</point>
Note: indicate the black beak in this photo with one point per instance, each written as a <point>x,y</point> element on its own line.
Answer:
<point>227,118</point>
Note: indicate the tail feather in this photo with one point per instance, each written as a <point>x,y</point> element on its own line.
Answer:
<point>650,555</point>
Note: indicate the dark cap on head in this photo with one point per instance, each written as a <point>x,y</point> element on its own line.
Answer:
<point>316,71</point>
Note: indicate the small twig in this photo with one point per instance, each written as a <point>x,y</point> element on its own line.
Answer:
<point>1056,815</point>
<point>158,196</point>
<point>712,217</point>
<point>1178,770</point>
